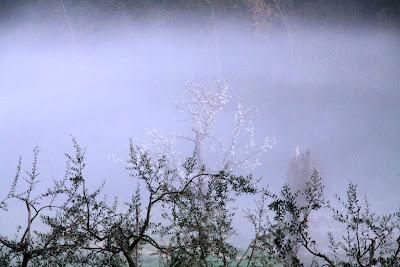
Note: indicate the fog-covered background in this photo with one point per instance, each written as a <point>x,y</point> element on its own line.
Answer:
<point>330,85</point>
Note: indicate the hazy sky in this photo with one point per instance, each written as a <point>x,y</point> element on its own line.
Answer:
<point>336,93</point>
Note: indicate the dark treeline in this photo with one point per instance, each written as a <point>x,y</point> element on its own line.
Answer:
<point>339,11</point>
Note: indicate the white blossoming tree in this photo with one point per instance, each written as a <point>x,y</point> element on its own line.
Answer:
<point>205,113</point>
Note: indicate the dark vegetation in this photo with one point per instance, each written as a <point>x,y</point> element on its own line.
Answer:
<point>260,13</point>
<point>185,215</point>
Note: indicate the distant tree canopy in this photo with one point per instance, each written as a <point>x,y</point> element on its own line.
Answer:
<point>343,11</point>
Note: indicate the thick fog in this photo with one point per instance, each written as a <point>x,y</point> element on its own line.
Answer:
<point>333,91</point>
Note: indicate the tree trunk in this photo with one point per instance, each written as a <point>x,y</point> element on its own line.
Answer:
<point>25,260</point>
<point>129,259</point>
<point>137,234</point>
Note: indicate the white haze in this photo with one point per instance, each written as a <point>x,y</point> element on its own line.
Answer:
<point>337,94</point>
